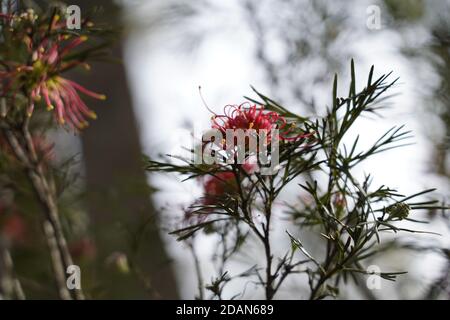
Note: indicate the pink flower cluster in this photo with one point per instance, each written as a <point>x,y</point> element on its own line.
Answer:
<point>40,77</point>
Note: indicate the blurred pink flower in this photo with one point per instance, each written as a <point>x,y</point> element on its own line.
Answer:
<point>12,225</point>
<point>83,248</point>
<point>41,76</point>
<point>60,94</point>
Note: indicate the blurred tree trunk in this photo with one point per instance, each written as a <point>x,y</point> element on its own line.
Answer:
<point>123,218</point>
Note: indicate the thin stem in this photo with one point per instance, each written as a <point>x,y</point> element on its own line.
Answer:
<point>57,263</point>
<point>198,271</point>
<point>48,199</point>
<point>265,235</point>
<point>315,290</point>
<point>59,252</point>
<point>270,291</point>
<point>10,286</point>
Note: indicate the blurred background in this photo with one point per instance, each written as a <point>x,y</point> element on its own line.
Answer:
<point>290,51</point>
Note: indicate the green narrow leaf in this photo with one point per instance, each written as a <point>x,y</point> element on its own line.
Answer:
<point>335,91</point>
<point>369,81</point>
<point>418,194</point>
<point>353,82</point>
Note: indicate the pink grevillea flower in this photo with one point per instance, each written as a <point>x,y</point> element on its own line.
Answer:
<point>40,76</point>
<point>247,116</point>
<point>59,94</point>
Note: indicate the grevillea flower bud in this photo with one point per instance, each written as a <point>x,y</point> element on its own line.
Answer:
<point>119,262</point>
<point>398,210</point>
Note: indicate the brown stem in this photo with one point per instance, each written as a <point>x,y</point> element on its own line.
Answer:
<point>10,286</point>
<point>59,252</point>
<point>58,265</point>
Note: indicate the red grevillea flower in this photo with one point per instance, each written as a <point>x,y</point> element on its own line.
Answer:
<point>223,183</point>
<point>247,116</point>
<point>214,187</point>
<point>218,185</point>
